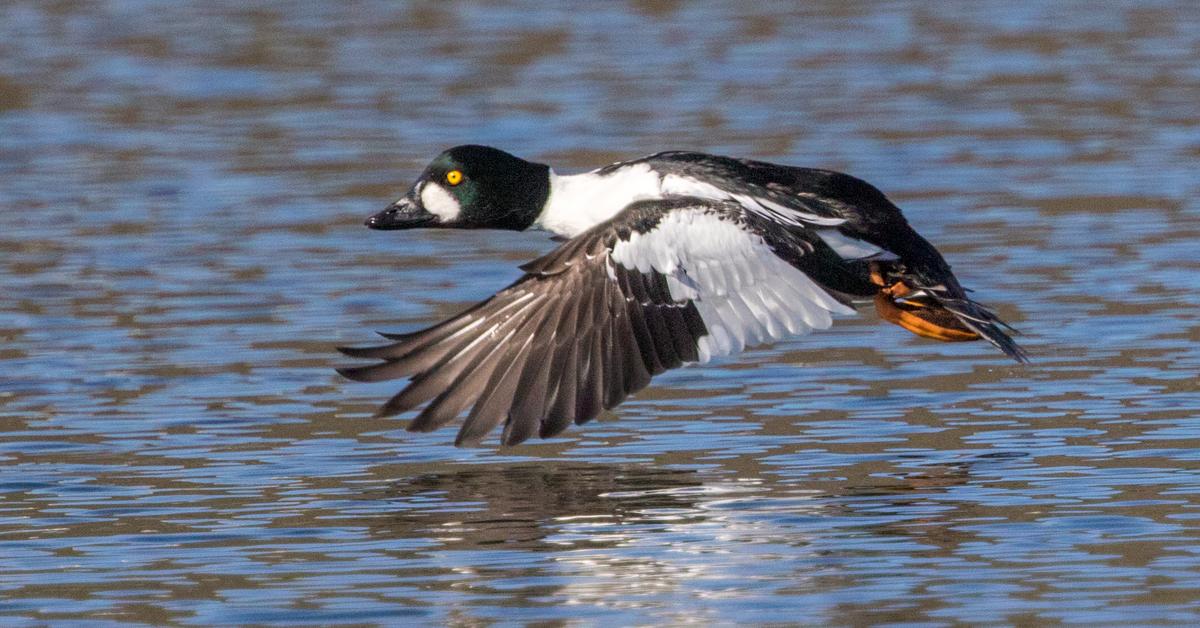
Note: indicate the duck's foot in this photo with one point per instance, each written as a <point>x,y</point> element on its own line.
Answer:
<point>928,322</point>
<point>922,317</point>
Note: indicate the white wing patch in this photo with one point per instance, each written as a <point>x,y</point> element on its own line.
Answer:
<point>674,184</point>
<point>744,292</point>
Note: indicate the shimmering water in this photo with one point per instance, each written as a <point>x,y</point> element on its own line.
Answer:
<point>182,187</point>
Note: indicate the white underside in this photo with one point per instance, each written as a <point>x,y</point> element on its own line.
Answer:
<point>744,292</point>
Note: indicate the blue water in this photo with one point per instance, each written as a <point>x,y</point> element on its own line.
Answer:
<point>182,187</point>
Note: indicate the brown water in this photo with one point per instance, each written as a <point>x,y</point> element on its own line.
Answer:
<point>182,187</point>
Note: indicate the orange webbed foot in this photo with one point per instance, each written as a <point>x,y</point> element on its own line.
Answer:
<point>925,319</point>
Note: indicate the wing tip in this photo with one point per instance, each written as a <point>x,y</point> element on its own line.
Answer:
<point>358,373</point>
<point>357,352</point>
<point>384,412</point>
<point>418,427</point>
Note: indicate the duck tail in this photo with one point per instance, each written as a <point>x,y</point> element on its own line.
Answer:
<point>927,300</point>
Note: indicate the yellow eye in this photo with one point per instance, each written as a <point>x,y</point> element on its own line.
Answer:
<point>454,177</point>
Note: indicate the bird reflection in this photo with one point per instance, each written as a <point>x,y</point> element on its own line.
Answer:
<point>522,507</point>
<point>585,534</point>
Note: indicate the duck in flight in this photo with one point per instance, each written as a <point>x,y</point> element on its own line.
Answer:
<point>666,260</point>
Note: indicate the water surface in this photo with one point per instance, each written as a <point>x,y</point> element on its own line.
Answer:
<point>182,187</point>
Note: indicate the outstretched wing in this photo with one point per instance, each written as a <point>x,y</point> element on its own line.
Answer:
<point>663,283</point>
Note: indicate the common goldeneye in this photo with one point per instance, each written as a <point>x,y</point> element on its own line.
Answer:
<point>668,259</point>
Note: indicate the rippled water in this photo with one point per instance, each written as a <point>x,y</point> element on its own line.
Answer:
<point>182,187</point>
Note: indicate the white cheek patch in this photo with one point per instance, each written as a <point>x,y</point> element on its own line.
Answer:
<point>439,202</point>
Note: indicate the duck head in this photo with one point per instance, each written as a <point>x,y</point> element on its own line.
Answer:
<point>471,187</point>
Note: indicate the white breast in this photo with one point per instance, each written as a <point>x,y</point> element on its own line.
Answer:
<point>581,201</point>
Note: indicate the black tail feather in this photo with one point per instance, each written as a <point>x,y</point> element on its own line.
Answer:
<point>928,277</point>
<point>981,320</point>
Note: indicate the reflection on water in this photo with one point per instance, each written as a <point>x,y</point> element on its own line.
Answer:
<point>181,195</point>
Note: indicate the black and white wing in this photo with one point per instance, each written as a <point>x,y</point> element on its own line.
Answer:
<point>663,283</point>
<point>852,217</point>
